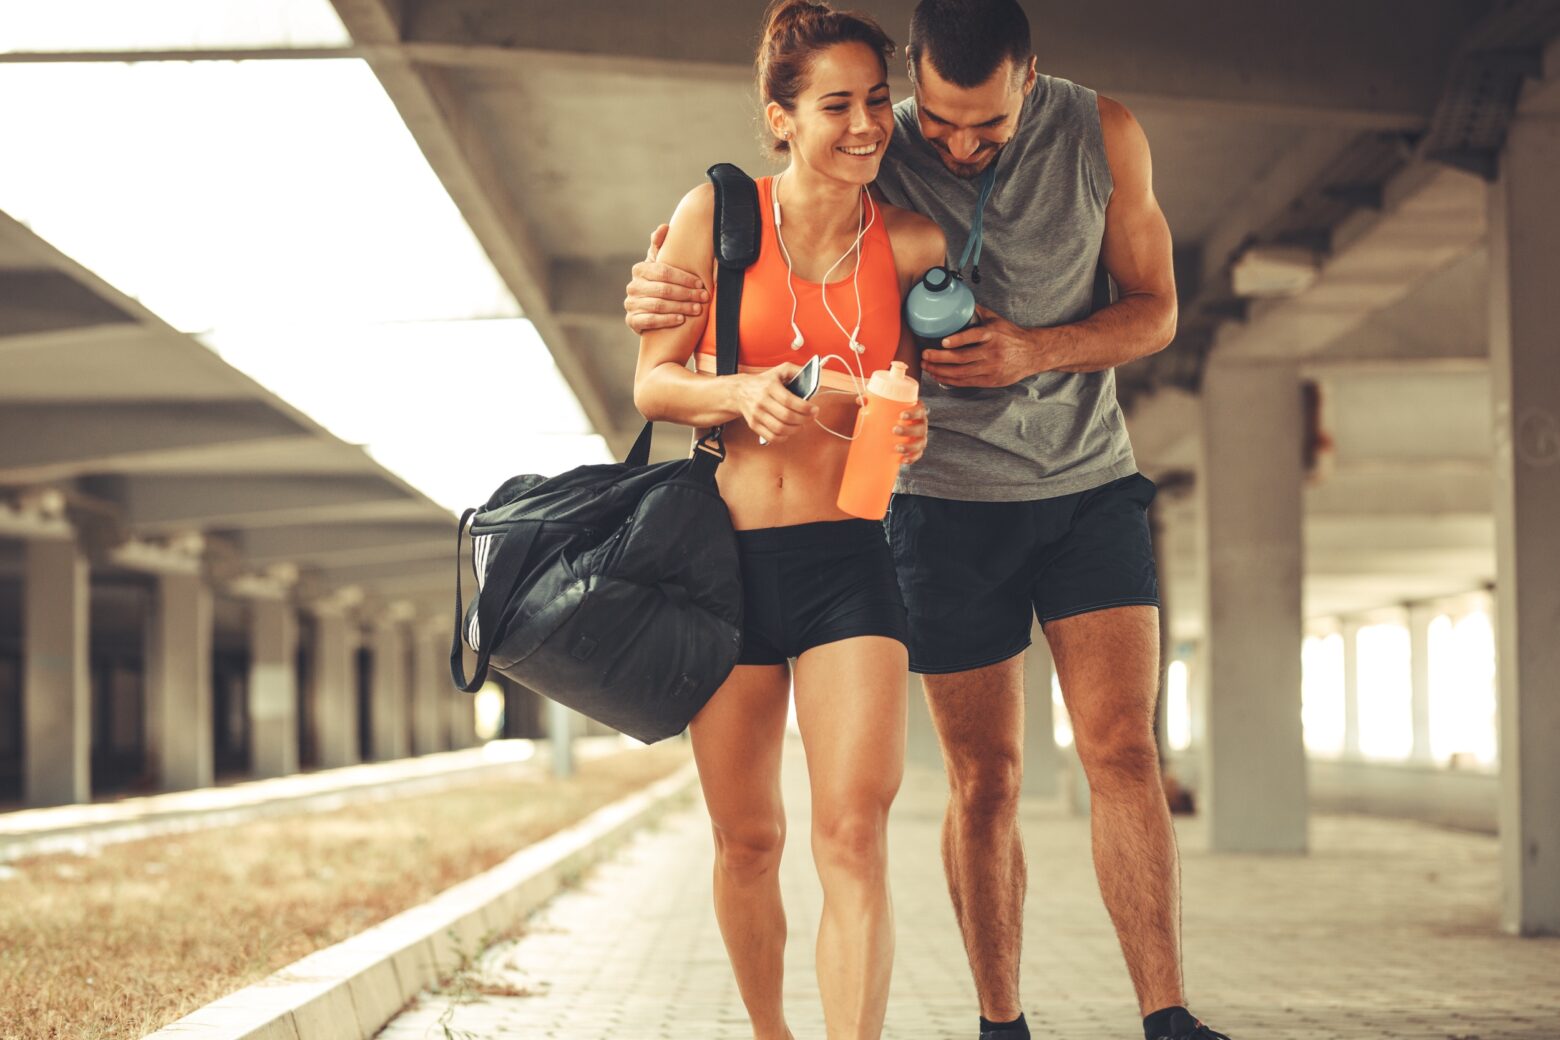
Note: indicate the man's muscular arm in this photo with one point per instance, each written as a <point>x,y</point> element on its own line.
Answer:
<point>1137,253</point>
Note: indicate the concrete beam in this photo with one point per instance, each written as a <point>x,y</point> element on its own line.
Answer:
<point>333,544</point>
<point>1337,63</point>
<point>53,441</point>
<point>159,504</point>
<point>1431,217</point>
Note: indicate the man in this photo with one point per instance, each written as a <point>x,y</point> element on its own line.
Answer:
<point>1028,497</point>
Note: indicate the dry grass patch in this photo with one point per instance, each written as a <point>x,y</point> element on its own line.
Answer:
<point>118,944</point>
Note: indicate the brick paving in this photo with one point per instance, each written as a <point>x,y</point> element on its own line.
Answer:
<point>1387,929</point>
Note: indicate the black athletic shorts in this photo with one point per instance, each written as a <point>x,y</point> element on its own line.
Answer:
<point>811,584</point>
<point>974,573</point>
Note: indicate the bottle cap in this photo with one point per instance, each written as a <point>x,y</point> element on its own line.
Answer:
<point>895,384</point>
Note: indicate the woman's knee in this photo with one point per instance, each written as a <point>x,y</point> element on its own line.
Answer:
<point>749,850</point>
<point>854,839</point>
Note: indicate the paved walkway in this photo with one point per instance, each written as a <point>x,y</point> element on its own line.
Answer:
<point>1387,929</point>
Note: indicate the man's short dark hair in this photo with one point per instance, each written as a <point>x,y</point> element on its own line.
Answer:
<point>967,40</point>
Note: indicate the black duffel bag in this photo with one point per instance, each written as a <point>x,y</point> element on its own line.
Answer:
<point>616,589</point>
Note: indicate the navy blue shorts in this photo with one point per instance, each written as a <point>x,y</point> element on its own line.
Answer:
<point>811,584</point>
<point>973,574</point>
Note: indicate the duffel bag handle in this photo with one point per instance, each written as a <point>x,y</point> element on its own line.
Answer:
<point>508,557</point>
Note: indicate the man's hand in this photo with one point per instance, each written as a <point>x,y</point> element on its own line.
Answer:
<point>994,353</point>
<point>659,296</point>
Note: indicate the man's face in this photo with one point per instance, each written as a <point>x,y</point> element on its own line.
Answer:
<point>969,125</point>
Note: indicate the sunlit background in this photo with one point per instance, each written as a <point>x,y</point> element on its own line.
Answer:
<point>282,213</point>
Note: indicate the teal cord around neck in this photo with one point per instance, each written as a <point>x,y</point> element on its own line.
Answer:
<point>987,183</point>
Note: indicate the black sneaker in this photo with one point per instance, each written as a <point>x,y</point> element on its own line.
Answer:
<point>1185,1027</point>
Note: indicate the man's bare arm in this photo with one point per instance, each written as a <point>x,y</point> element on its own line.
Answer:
<point>658,296</point>
<point>1137,254</point>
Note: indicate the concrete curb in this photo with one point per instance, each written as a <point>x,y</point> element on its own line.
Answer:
<point>353,988</point>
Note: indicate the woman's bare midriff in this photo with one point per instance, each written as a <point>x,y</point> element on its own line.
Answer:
<point>794,481</point>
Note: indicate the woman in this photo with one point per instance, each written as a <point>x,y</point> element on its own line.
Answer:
<point>819,585</point>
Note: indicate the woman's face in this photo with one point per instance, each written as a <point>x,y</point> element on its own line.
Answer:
<point>843,119</point>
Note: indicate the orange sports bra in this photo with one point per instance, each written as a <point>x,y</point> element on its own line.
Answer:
<point>766,305</point>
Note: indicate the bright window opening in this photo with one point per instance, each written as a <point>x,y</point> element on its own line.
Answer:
<point>489,708</point>
<point>1385,692</point>
<point>1178,707</point>
<point>1462,690</point>
<point>1061,722</point>
<point>1321,693</point>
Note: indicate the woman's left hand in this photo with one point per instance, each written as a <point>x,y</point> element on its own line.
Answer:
<point>912,425</point>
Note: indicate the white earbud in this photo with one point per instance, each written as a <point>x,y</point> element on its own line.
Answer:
<point>798,342</point>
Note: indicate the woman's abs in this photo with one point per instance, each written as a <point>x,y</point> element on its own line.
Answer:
<point>794,481</point>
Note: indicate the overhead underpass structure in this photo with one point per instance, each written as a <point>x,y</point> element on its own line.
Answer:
<point>1356,432</point>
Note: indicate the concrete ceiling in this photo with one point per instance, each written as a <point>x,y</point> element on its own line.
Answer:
<point>564,133</point>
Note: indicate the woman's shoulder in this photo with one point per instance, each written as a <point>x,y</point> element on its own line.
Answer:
<point>917,240</point>
<point>698,205</point>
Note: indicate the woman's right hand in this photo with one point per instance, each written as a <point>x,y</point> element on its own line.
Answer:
<point>769,409</point>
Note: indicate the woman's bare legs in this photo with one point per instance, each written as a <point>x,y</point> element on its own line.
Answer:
<point>737,741</point>
<point>850,705</point>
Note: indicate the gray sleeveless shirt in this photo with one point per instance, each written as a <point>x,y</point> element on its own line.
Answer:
<point>1055,433</point>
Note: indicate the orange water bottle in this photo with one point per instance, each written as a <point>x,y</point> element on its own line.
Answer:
<point>873,463</point>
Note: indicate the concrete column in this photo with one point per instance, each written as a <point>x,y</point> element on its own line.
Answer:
<point>1350,630</point>
<point>1419,618</point>
<point>429,663</point>
<point>390,725</point>
<point>1042,760</point>
<point>561,727</point>
<point>273,687</point>
<point>333,682</point>
<point>56,690</point>
<point>179,682</point>
<point>921,746</point>
<point>1524,222</point>
<point>1254,769</point>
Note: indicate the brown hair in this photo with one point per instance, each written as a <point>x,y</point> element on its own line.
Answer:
<point>794,32</point>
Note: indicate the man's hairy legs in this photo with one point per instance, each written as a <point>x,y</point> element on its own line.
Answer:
<point>1108,664</point>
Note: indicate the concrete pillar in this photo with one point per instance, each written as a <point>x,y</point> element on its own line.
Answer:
<point>561,727</point>
<point>56,691</point>
<point>1524,223</point>
<point>430,662</point>
<point>273,687</point>
<point>333,689</point>
<point>1042,761</point>
<point>388,738</point>
<point>1254,769</point>
<point>921,746</point>
<point>1350,631</point>
<point>179,682</point>
<point>1419,618</point>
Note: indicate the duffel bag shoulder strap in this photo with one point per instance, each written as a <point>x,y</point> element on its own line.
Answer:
<point>738,233</point>
<point>738,230</point>
<point>511,552</point>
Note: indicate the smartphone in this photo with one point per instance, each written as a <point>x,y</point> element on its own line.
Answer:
<point>805,383</point>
